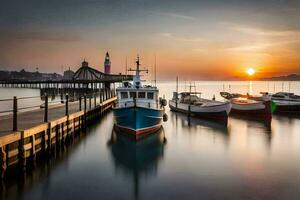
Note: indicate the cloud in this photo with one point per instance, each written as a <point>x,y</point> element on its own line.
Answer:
<point>179,16</point>
<point>41,36</point>
<point>261,46</point>
<point>260,31</point>
<point>182,39</point>
<point>200,50</point>
<point>249,48</point>
<point>254,31</point>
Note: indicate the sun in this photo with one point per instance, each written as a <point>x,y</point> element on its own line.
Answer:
<point>250,71</point>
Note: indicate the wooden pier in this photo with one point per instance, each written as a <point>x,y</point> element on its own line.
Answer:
<point>43,130</point>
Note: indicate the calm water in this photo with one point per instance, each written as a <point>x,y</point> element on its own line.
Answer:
<point>188,159</point>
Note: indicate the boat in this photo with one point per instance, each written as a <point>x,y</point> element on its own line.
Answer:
<point>139,111</point>
<point>250,106</point>
<point>286,102</point>
<point>191,103</point>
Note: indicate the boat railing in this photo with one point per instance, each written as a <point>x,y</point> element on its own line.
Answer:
<point>131,103</point>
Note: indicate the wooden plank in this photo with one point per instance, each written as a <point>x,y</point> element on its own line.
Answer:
<point>58,121</point>
<point>34,130</point>
<point>7,139</point>
<point>38,141</point>
<point>27,146</point>
<point>108,101</point>
<point>76,115</point>
<point>12,153</point>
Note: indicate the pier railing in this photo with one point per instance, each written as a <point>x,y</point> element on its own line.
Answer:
<point>24,145</point>
<point>83,101</point>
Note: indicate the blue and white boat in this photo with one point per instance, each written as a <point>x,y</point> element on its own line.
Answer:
<point>139,110</point>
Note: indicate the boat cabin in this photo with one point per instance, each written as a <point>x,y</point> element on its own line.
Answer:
<point>187,97</point>
<point>145,96</point>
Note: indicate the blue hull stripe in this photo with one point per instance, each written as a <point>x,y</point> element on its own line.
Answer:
<point>136,118</point>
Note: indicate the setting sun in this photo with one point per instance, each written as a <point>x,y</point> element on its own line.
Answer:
<point>250,71</point>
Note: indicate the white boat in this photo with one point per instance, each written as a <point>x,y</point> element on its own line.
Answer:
<point>285,102</point>
<point>191,103</point>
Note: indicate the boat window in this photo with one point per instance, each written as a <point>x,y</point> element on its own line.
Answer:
<point>124,95</point>
<point>150,95</point>
<point>132,94</point>
<point>142,95</point>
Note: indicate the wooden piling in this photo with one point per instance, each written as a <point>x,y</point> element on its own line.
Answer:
<point>15,114</point>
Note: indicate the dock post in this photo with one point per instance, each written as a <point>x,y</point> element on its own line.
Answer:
<point>15,114</point>
<point>101,96</point>
<point>84,120</point>
<point>90,100</point>
<point>3,161</point>
<point>95,100</point>
<point>22,152</point>
<point>46,108</point>
<point>67,104</point>
<point>80,103</point>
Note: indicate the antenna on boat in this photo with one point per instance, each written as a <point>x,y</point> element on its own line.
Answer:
<point>177,84</point>
<point>176,90</point>
<point>189,112</point>
<point>126,65</point>
<point>155,70</point>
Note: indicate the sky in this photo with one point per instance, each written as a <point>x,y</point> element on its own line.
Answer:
<point>195,39</point>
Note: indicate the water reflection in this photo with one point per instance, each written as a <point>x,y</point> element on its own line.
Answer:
<point>17,182</point>
<point>190,123</point>
<point>252,128</point>
<point>137,159</point>
<point>263,124</point>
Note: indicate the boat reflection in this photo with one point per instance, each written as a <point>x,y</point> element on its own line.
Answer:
<point>137,159</point>
<point>263,124</point>
<point>283,116</point>
<point>260,129</point>
<point>192,123</point>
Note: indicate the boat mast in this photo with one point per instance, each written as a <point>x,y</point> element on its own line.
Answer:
<point>137,77</point>
<point>176,91</point>
<point>155,70</point>
<point>126,65</point>
<point>189,111</point>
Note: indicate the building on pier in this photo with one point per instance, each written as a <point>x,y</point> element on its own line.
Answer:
<point>85,72</point>
<point>68,74</point>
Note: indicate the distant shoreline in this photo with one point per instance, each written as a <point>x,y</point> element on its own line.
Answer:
<point>290,77</point>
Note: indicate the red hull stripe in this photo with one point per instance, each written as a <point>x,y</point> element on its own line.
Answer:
<point>139,132</point>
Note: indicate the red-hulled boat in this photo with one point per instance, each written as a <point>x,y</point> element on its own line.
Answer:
<point>250,106</point>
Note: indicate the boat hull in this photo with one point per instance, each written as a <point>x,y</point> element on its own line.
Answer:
<point>261,109</point>
<point>218,113</point>
<point>138,121</point>
<point>287,107</point>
